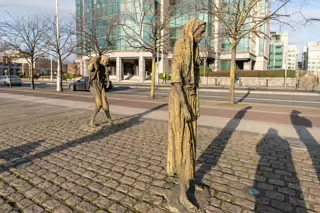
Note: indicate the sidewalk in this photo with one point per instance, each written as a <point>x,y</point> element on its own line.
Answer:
<point>60,165</point>
<point>302,128</point>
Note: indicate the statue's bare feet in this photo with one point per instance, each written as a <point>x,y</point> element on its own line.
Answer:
<point>187,204</point>
<point>92,124</point>
<point>199,187</point>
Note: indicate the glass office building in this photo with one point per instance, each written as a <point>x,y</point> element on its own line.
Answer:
<point>131,63</point>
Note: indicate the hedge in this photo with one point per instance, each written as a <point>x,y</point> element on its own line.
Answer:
<point>168,76</point>
<point>254,73</point>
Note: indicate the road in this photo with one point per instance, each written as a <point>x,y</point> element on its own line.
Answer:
<point>290,98</point>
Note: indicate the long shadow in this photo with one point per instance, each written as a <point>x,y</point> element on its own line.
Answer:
<point>16,155</point>
<point>100,134</point>
<point>210,157</point>
<point>245,96</point>
<point>300,124</point>
<point>276,187</point>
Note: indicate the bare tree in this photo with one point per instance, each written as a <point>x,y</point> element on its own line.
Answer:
<point>63,47</point>
<point>97,36</point>
<point>24,36</point>
<point>145,25</point>
<point>242,19</point>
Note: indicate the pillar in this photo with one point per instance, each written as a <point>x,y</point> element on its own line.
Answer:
<point>85,67</point>
<point>119,69</point>
<point>142,69</point>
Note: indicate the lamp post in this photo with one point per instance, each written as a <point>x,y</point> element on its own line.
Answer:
<point>59,88</point>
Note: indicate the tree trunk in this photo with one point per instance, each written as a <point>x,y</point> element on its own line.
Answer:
<point>61,79</point>
<point>9,69</point>
<point>232,71</point>
<point>153,80</point>
<point>32,75</point>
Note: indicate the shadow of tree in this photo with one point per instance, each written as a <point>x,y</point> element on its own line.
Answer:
<point>102,133</point>
<point>276,181</point>
<point>301,124</point>
<point>245,96</point>
<point>210,157</point>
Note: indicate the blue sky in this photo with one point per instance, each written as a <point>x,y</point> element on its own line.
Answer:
<point>300,35</point>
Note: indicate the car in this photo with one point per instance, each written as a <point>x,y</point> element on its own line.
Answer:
<point>15,80</point>
<point>83,85</point>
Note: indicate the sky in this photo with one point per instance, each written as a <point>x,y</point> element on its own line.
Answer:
<point>300,33</point>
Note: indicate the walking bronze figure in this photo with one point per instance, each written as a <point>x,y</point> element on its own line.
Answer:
<point>184,108</point>
<point>99,70</point>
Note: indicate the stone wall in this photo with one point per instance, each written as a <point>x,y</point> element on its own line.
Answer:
<point>250,81</point>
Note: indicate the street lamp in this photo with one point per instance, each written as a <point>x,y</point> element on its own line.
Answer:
<point>59,88</point>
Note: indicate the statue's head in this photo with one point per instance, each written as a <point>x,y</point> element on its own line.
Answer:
<point>104,60</point>
<point>194,30</point>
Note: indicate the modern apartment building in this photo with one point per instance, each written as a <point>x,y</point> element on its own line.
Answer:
<point>278,50</point>
<point>130,63</point>
<point>292,56</point>
<point>311,57</point>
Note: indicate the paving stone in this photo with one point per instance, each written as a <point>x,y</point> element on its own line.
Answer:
<point>33,209</point>
<point>5,208</point>
<point>102,202</point>
<point>117,196</point>
<point>91,196</point>
<point>86,207</point>
<point>224,196</point>
<point>228,207</point>
<point>62,209</point>
<point>116,208</point>
<point>51,204</point>
<point>73,201</point>
<point>33,192</point>
<point>41,198</point>
<point>6,191</point>
<point>24,203</point>
<point>79,190</point>
<point>62,194</point>
<point>15,197</point>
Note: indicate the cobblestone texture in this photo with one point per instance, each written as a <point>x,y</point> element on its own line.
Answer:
<point>122,168</point>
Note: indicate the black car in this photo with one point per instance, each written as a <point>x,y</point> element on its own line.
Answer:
<point>83,85</point>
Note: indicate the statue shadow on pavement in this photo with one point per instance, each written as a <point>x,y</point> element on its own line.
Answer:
<point>103,132</point>
<point>215,149</point>
<point>269,147</point>
<point>300,125</point>
<point>218,145</point>
<point>18,156</point>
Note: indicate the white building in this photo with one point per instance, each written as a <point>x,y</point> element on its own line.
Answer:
<point>312,58</point>
<point>292,57</point>
<point>278,50</point>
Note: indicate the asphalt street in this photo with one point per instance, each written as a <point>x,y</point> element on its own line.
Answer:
<point>262,97</point>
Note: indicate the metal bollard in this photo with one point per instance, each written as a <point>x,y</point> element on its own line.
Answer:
<point>267,82</point>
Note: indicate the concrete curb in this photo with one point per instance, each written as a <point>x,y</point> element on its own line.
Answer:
<point>226,91</point>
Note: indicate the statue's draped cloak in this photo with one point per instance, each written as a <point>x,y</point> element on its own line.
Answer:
<point>182,134</point>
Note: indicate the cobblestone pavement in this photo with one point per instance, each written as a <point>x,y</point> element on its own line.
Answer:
<point>118,169</point>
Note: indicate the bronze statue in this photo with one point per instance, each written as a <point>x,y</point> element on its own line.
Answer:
<point>184,108</point>
<point>99,70</point>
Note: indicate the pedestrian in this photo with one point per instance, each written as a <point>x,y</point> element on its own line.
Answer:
<point>236,79</point>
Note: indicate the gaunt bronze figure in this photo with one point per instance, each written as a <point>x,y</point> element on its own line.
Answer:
<point>99,74</point>
<point>184,108</point>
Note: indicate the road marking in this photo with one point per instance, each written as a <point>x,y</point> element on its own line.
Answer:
<point>225,97</point>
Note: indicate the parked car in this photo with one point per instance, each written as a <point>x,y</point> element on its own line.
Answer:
<point>15,80</point>
<point>83,85</point>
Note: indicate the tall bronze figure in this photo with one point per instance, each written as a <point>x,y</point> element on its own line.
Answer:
<point>99,73</point>
<point>184,108</point>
